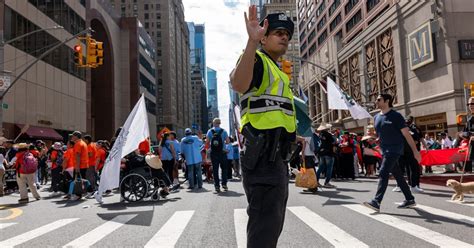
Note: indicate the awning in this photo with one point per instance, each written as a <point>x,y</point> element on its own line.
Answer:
<point>42,133</point>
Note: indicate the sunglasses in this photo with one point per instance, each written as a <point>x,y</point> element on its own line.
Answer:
<point>470,104</point>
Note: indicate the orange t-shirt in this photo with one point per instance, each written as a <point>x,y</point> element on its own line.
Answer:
<point>101,155</point>
<point>68,155</point>
<point>54,157</point>
<point>92,153</point>
<point>80,148</point>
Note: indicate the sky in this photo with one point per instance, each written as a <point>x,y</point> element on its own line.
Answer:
<point>226,37</point>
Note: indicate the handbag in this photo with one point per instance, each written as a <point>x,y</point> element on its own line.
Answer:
<point>306,178</point>
<point>79,185</point>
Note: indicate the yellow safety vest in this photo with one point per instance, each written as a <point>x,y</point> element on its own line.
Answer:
<point>271,105</point>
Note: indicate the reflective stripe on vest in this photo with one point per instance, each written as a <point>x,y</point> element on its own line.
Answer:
<point>271,105</point>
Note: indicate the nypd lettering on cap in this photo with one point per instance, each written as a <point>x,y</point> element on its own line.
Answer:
<point>282,17</point>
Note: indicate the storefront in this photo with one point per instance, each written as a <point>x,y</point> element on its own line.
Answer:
<point>432,124</point>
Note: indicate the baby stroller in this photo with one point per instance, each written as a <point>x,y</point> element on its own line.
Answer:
<point>142,178</point>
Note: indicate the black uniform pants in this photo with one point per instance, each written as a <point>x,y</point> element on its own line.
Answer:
<point>266,188</point>
<point>409,163</point>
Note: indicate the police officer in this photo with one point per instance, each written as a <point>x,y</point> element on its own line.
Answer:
<point>268,125</point>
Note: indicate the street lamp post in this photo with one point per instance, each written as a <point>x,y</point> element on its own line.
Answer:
<point>3,93</point>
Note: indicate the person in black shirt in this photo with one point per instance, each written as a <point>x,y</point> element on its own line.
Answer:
<point>326,155</point>
<point>469,129</point>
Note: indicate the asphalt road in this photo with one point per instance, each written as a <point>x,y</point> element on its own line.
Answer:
<point>333,217</point>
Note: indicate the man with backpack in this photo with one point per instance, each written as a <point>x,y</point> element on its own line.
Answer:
<point>216,138</point>
<point>26,165</point>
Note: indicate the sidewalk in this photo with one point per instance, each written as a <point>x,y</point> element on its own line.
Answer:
<point>439,177</point>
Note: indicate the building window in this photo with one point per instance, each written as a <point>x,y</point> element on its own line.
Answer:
<point>312,49</point>
<point>311,36</point>
<point>353,21</point>
<point>350,5</point>
<point>158,25</point>
<point>335,22</point>
<point>146,6</point>
<point>370,4</point>
<point>147,16</point>
<point>321,23</point>
<point>311,23</point>
<point>158,15</point>
<point>135,7</point>
<point>310,10</point>
<point>320,9</point>
<point>302,35</point>
<point>303,47</point>
<point>322,37</point>
<point>334,6</point>
<point>147,25</point>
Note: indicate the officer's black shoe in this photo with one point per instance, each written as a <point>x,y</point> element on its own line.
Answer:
<point>218,189</point>
<point>225,187</point>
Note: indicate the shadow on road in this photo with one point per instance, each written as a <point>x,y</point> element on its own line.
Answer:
<point>125,205</point>
<point>143,218</point>
<point>230,194</point>
<point>331,202</point>
<point>432,218</point>
<point>328,194</point>
<point>352,190</point>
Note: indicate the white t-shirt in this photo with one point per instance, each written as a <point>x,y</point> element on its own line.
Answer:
<point>446,143</point>
<point>307,149</point>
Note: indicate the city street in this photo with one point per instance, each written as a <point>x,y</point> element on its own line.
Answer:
<point>333,217</point>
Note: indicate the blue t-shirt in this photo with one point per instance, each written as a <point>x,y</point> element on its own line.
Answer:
<point>230,154</point>
<point>388,127</point>
<point>166,151</point>
<point>177,147</point>
<point>236,152</point>
<point>191,149</point>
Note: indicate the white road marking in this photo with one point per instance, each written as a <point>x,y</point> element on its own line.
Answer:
<point>170,232</point>
<point>5,225</point>
<point>22,238</point>
<point>100,232</point>
<point>422,233</point>
<point>469,204</point>
<point>333,234</point>
<point>444,213</point>
<point>240,222</point>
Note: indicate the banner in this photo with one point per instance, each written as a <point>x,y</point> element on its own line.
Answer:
<point>134,131</point>
<point>302,94</point>
<point>443,157</point>
<point>338,99</point>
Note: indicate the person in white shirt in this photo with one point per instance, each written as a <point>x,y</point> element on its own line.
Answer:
<point>447,143</point>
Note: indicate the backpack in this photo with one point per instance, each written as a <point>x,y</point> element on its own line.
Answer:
<point>59,158</point>
<point>315,143</point>
<point>30,163</point>
<point>217,145</point>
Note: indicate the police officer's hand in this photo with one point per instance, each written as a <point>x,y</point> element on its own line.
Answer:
<point>254,30</point>
<point>417,157</point>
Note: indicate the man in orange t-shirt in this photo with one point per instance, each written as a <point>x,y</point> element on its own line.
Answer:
<point>92,154</point>
<point>100,156</point>
<point>81,156</point>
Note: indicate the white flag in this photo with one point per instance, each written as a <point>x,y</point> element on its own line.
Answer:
<point>337,99</point>
<point>134,131</point>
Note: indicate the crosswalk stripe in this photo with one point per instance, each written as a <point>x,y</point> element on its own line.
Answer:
<point>22,238</point>
<point>169,233</point>
<point>469,204</point>
<point>444,213</point>
<point>5,225</point>
<point>100,232</point>
<point>333,234</point>
<point>240,222</point>
<point>412,229</point>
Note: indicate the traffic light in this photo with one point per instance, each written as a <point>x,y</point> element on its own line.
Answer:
<point>78,55</point>
<point>461,119</point>
<point>286,68</point>
<point>95,52</point>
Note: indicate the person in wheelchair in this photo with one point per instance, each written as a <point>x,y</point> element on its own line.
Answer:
<point>148,166</point>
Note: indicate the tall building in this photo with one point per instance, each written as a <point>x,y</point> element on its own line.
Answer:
<point>164,21</point>
<point>198,85</point>
<point>141,53</point>
<point>293,53</point>
<point>51,96</point>
<point>259,4</point>
<point>212,94</point>
<point>234,101</point>
<point>413,50</point>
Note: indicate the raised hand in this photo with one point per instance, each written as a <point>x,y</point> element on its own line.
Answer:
<point>254,30</point>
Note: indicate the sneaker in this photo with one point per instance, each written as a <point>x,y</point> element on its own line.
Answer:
<point>407,204</point>
<point>89,195</point>
<point>328,185</point>
<point>373,205</point>
<point>67,197</point>
<point>25,200</point>
<point>396,189</point>
<point>75,198</point>
<point>218,189</point>
<point>314,190</point>
<point>38,198</point>
<point>417,189</point>
<point>225,187</point>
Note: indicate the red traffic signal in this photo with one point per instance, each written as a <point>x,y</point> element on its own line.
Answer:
<point>78,55</point>
<point>77,48</point>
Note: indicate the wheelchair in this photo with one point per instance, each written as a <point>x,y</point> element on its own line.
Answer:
<point>139,181</point>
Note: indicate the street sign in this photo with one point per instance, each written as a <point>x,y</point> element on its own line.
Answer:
<point>5,105</point>
<point>5,82</point>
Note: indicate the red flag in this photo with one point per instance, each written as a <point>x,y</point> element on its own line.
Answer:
<point>442,157</point>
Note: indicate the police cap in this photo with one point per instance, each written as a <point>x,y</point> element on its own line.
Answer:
<point>279,21</point>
